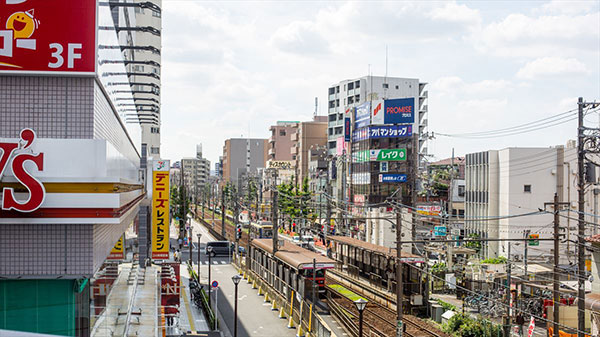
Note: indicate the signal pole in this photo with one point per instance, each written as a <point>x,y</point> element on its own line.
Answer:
<point>275,225</point>
<point>399,272</point>
<point>223,212</point>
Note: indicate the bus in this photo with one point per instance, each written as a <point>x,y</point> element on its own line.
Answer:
<point>261,230</point>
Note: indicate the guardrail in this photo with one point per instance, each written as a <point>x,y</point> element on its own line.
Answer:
<point>208,312</point>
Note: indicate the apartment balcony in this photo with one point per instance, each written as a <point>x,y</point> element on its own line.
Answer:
<point>272,139</point>
<point>424,94</point>
<point>424,108</point>
<point>294,150</point>
<point>294,137</point>
<point>271,151</point>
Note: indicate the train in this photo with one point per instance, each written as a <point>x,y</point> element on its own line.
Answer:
<point>291,268</point>
<point>261,230</point>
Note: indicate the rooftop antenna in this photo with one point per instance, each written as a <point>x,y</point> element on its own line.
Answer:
<point>316,106</point>
<point>385,84</point>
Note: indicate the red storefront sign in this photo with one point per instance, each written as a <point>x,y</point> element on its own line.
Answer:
<point>15,156</point>
<point>48,36</point>
<point>169,284</point>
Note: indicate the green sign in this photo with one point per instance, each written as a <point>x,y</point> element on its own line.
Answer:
<point>533,240</point>
<point>388,155</point>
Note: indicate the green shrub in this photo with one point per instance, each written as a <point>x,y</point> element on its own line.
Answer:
<point>497,260</point>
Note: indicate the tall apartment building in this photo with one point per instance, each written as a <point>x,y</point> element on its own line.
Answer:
<point>502,184</point>
<point>347,94</point>
<point>196,172</point>
<point>280,142</point>
<point>141,47</point>
<point>243,156</point>
<point>307,135</point>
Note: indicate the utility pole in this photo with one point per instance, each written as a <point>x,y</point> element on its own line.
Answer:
<point>556,204</point>
<point>526,233</point>
<point>328,220</point>
<point>581,227</point>
<point>508,295</point>
<point>203,200</point>
<point>399,272</point>
<point>275,224</point>
<point>413,196</point>
<point>222,212</point>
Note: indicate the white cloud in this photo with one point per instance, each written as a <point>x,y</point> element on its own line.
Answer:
<point>453,85</point>
<point>569,7</point>
<point>551,66</point>
<point>453,12</point>
<point>300,37</point>
<point>519,35</point>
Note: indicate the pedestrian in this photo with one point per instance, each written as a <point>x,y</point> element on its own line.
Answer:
<point>180,241</point>
<point>177,256</point>
<point>520,321</point>
<point>390,278</point>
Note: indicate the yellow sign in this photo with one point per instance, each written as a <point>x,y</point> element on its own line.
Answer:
<point>160,215</point>
<point>118,251</point>
<point>588,265</point>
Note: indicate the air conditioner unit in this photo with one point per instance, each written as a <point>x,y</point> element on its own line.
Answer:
<point>416,299</point>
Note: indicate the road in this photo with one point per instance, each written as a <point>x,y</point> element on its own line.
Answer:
<point>255,317</point>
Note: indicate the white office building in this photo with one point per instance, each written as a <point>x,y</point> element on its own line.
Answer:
<point>503,184</point>
<point>196,172</point>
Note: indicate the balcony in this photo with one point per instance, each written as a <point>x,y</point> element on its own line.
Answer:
<point>424,94</point>
<point>272,139</point>
<point>271,151</point>
<point>294,150</point>
<point>294,137</point>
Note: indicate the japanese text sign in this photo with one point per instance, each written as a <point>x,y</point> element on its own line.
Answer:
<point>392,178</point>
<point>160,215</point>
<point>362,115</point>
<point>387,155</point>
<point>40,36</point>
<point>384,131</point>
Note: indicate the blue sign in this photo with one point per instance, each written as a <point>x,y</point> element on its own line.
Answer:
<point>399,111</point>
<point>214,284</point>
<point>439,230</point>
<point>382,131</point>
<point>362,115</point>
<point>392,178</point>
<point>347,129</point>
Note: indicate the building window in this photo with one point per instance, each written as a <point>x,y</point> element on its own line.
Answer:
<point>350,86</point>
<point>385,86</point>
<point>397,87</point>
<point>527,188</point>
<point>357,84</point>
<point>154,130</point>
<point>156,14</point>
<point>282,132</point>
<point>461,190</point>
<point>154,150</point>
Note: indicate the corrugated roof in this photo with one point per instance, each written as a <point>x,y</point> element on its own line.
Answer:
<point>391,252</point>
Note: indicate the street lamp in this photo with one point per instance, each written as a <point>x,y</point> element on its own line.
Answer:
<point>209,250</point>
<point>360,304</point>
<point>199,236</point>
<point>236,280</point>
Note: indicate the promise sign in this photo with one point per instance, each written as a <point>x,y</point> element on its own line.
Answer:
<point>160,210</point>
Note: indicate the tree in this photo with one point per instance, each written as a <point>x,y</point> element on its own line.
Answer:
<point>473,242</point>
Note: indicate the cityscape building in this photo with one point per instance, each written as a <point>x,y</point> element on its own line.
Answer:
<point>280,142</point>
<point>195,173</point>
<point>307,135</point>
<point>243,156</point>
<point>74,185</point>
<point>502,184</point>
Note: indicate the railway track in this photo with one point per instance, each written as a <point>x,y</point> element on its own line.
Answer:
<point>381,321</point>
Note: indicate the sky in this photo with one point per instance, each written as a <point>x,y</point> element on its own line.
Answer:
<point>233,68</point>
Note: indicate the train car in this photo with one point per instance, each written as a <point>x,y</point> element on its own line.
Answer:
<point>291,268</point>
<point>261,230</point>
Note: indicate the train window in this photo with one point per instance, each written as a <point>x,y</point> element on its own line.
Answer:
<point>309,273</point>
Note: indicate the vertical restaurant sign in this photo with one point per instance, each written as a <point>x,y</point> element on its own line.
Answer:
<point>160,209</point>
<point>118,251</point>
<point>41,36</point>
<point>399,111</point>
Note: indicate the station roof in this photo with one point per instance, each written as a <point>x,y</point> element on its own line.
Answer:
<point>386,251</point>
<point>294,255</point>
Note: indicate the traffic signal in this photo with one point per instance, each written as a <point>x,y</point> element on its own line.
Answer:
<point>238,231</point>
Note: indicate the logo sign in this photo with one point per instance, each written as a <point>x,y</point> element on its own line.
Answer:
<point>41,36</point>
<point>161,165</point>
<point>429,209</point>
<point>387,155</point>
<point>340,146</point>
<point>439,231</point>
<point>214,284</point>
<point>279,164</point>
<point>15,156</point>
<point>399,111</point>
<point>160,213</point>
<point>533,240</point>
<point>347,129</point>
<point>362,115</point>
<point>359,198</point>
<point>118,251</point>
<point>382,131</point>
<point>377,113</point>
<point>392,178</point>
<point>531,327</point>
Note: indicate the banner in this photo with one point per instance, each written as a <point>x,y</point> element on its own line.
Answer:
<point>42,36</point>
<point>400,111</point>
<point>382,131</point>
<point>387,155</point>
<point>118,251</point>
<point>160,210</point>
<point>392,178</point>
<point>347,129</point>
<point>362,115</point>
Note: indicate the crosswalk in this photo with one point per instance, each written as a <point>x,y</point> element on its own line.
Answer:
<point>214,262</point>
